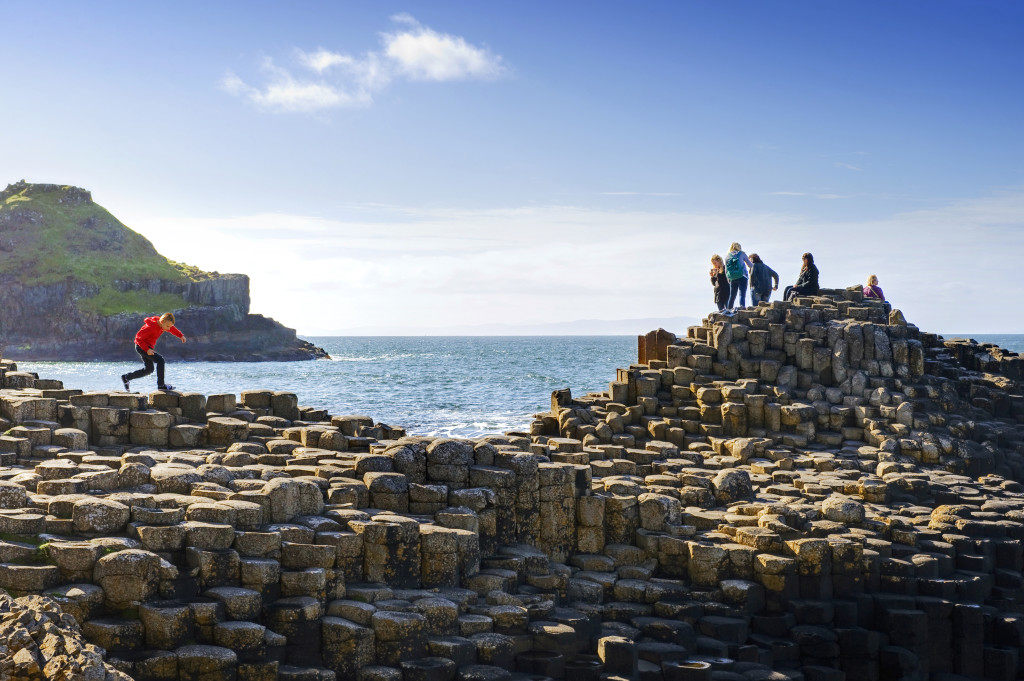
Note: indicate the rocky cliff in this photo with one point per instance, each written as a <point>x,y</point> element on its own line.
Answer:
<point>75,284</point>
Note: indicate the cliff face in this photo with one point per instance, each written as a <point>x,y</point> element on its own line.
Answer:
<point>75,284</point>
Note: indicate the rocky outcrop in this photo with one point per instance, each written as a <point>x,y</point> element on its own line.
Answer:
<point>219,326</point>
<point>39,642</point>
<point>47,297</point>
<point>810,489</point>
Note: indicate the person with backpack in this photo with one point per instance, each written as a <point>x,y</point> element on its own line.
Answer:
<point>737,264</point>
<point>763,280</point>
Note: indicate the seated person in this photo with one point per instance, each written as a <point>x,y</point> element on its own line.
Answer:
<point>872,289</point>
<point>807,282</point>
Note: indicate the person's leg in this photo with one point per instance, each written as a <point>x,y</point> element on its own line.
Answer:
<point>734,289</point>
<point>158,358</point>
<point>755,298</point>
<point>144,371</point>
<point>787,293</point>
<point>743,291</point>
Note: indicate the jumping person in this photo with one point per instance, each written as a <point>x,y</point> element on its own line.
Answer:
<point>737,264</point>
<point>145,342</point>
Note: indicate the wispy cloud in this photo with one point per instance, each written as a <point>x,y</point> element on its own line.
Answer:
<point>813,195</point>
<point>848,166</point>
<point>434,267</point>
<point>323,79</point>
<point>640,194</point>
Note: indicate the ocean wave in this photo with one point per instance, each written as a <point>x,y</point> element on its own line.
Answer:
<point>387,357</point>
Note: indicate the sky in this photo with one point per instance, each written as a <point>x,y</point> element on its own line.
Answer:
<point>431,165</point>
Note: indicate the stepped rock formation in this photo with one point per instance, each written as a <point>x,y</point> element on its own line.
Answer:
<point>809,490</point>
<point>75,284</point>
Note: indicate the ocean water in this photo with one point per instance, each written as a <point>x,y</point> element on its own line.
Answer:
<point>1010,341</point>
<point>462,386</point>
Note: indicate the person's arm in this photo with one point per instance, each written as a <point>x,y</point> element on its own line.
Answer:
<point>746,261</point>
<point>174,332</point>
<point>775,278</point>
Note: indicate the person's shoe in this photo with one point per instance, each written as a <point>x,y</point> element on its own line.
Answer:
<point>168,387</point>
<point>124,380</point>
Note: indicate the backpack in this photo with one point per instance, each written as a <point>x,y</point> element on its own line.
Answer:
<point>734,266</point>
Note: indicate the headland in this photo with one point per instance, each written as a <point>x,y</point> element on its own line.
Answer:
<point>806,490</point>
<point>75,284</point>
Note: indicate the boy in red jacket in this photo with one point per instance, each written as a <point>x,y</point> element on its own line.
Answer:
<point>145,341</point>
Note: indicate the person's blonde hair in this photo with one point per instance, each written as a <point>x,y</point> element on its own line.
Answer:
<point>735,247</point>
<point>716,259</point>
<point>872,278</point>
<point>167,317</point>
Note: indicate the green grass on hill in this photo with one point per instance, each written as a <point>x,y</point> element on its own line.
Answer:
<point>111,301</point>
<point>44,240</point>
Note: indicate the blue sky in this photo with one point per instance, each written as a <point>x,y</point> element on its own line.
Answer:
<point>435,164</point>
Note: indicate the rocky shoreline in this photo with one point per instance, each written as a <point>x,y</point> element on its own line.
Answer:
<point>809,490</point>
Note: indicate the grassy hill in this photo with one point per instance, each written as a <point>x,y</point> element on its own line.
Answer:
<point>54,233</point>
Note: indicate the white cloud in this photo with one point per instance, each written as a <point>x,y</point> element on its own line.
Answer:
<point>323,79</point>
<point>322,59</point>
<point>436,268</point>
<point>423,54</point>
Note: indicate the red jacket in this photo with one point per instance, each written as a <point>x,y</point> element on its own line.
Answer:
<point>151,331</point>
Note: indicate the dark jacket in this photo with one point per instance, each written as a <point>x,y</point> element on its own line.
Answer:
<point>808,280</point>
<point>763,278</point>
<point>721,284</point>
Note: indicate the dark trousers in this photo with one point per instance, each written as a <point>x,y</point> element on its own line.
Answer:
<point>792,291</point>
<point>149,360</point>
<point>738,289</point>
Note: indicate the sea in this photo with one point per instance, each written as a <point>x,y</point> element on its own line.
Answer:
<point>451,386</point>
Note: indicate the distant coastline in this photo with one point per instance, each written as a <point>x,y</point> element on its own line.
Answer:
<point>577,327</point>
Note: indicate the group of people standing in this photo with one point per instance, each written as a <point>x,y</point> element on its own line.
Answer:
<point>731,276</point>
